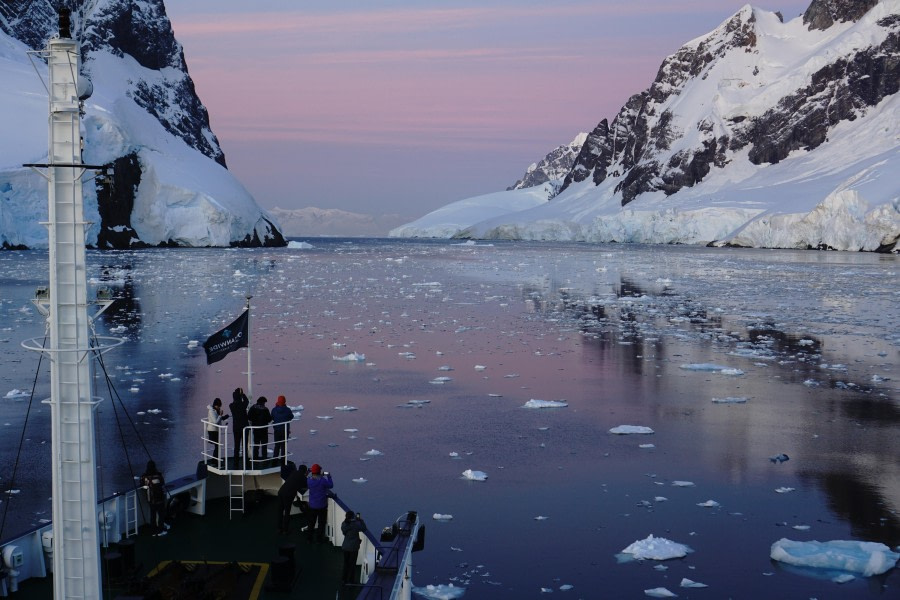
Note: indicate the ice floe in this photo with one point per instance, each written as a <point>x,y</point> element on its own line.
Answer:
<point>474,475</point>
<point>440,517</point>
<point>374,452</point>
<point>864,558</point>
<point>440,592</point>
<point>709,504</point>
<point>631,429</point>
<point>730,400</point>
<point>345,408</point>
<point>656,548</point>
<point>712,368</point>
<point>359,480</point>
<point>351,357</point>
<point>535,403</point>
<point>15,393</point>
<point>660,592</point>
<point>687,583</point>
<point>294,245</point>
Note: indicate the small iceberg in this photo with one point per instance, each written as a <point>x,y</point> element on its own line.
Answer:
<point>299,245</point>
<point>709,504</point>
<point>440,592</point>
<point>712,368</point>
<point>440,517</point>
<point>345,408</point>
<point>359,480</point>
<point>474,475</point>
<point>15,393</point>
<point>683,483</point>
<point>687,583</point>
<point>534,403</point>
<point>862,558</point>
<point>352,357</point>
<point>441,380</point>
<point>374,452</point>
<point>630,429</point>
<point>654,548</point>
<point>660,592</point>
<point>730,400</point>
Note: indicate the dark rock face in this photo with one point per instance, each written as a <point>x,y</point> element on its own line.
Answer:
<point>822,14</point>
<point>554,166</point>
<point>634,149</point>
<point>115,201</point>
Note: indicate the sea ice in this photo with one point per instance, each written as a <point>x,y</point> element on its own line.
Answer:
<point>440,517</point>
<point>440,592</point>
<point>683,483</point>
<point>687,583</point>
<point>660,592</point>
<point>654,548</point>
<point>709,504</point>
<point>345,408</point>
<point>374,452</point>
<point>359,480</point>
<point>293,245</point>
<point>630,429</point>
<point>15,393</point>
<point>534,403</point>
<point>441,380</point>
<point>351,357</point>
<point>474,475</point>
<point>864,558</point>
<point>730,400</point>
<point>784,490</point>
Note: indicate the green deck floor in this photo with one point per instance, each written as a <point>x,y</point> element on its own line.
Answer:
<point>250,539</point>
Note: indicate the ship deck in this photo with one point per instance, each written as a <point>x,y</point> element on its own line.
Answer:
<point>232,559</point>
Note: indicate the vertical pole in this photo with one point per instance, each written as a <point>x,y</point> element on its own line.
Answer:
<point>76,561</point>
<point>249,354</point>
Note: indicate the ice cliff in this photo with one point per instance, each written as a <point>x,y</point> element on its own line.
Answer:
<point>761,133</point>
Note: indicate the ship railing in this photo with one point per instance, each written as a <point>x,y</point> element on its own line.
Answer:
<point>260,448</point>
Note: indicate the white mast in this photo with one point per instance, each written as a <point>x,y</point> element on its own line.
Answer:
<point>76,561</point>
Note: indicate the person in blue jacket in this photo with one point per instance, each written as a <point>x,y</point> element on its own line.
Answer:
<point>319,483</point>
<point>281,427</point>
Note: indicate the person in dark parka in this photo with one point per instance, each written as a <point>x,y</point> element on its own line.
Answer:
<point>352,526</point>
<point>281,427</point>
<point>238,406</point>
<point>293,486</point>
<point>319,482</point>
<point>259,417</point>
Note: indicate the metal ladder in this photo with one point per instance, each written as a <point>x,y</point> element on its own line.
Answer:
<point>131,513</point>
<point>235,492</point>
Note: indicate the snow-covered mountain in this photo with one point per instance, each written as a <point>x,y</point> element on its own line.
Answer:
<point>170,184</point>
<point>761,133</point>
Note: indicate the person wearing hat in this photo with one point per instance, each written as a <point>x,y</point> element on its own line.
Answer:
<point>352,526</point>
<point>239,405</point>
<point>214,421</point>
<point>319,483</point>
<point>259,417</point>
<point>281,428</point>
<point>293,488</point>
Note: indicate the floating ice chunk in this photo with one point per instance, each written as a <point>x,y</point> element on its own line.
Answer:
<point>409,355</point>
<point>687,583</point>
<point>683,483</point>
<point>647,446</point>
<point>440,517</point>
<point>345,408</point>
<point>843,578</point>
<point>14,393</point>
<point>709,504</point>
<point>534,403</point>
<point>784,490</point>
<point>445,368</point>
<point>374,452</point>
<point>801,527</point>
<point>325,417</point>
<point>359,480</point>
<point>495,395</point>
<point>541,518</point>
<point>193,343</point>
<point>660,499</point>
<point>118,329</point>
<point>480,367</point>
<point>351,430</point>
<point>474,475</point>
<point>440,592</point>
<point>294,245</point>
<point>630,429</point>
<point>811,383</point>
<point>660,592</point>
<point>154,411</point>
<point>454,455</point>
<point>779,458</point>
<point>441,380</point>
<point>730,400</point>
<point>134,389</point>
<point>703,367</point>
<point>546,590</point>
<point>864,558</point>
<point>566,587</point>
<point>351,357</point>
<point>654,548</point>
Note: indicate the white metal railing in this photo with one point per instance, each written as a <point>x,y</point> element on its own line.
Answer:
<point>255,455</point>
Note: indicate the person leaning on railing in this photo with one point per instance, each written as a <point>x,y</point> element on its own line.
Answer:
<point>213,424</point>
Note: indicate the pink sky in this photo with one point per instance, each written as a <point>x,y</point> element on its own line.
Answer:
<point>403,107</point>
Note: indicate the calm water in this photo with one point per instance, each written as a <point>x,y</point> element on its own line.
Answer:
<point>623,334</point>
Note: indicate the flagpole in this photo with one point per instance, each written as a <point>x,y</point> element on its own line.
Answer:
<point>249,353</point>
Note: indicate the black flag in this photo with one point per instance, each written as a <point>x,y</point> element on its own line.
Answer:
<point>231,338</point>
